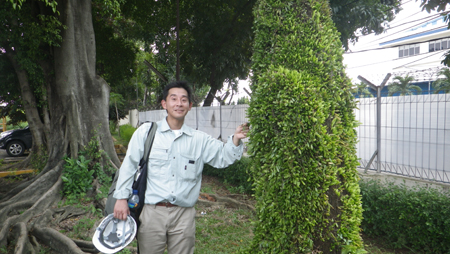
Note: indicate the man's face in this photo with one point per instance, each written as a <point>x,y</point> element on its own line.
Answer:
<point>177,103</point>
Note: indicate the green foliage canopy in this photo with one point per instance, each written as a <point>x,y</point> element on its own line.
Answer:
<point>215,38</point>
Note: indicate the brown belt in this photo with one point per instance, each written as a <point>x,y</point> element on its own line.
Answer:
<point>166,204</point>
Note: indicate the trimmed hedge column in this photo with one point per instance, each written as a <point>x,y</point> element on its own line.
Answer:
<point>303,140</point>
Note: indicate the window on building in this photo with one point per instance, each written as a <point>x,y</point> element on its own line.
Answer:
<point>409,50</point>
<point>431,47</point>
<point>439,44</point>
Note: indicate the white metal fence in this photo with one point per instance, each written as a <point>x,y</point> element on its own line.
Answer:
<point>415,132</point>
<point>415,135</point>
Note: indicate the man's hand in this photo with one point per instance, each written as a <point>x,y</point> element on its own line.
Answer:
<point>121,209</point>
<point>240,133</point>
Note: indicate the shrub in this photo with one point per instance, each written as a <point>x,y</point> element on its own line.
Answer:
<point>126,131</point>
<point>302,141</point>
<point>235,174</point>
<point>418,218</point>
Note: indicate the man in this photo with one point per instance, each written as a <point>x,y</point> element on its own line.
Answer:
<point>174,174</point>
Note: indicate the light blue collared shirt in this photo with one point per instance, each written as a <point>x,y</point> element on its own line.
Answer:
<point>175,163</point>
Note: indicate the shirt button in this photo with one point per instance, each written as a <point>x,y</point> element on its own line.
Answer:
<point>173,175</point>
<point>174,158</point>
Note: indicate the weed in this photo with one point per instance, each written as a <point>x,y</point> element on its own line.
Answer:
<point>80,172</point>
<point>236,189</point>
<point>124,251</point>
<point>84,225</point>
<point>207,189</point>
<point>3,249</point>
<point>77,177</point>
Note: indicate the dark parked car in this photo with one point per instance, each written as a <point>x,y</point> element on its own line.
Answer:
<point>16,141</point>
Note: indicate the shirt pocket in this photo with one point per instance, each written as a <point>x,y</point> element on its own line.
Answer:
<point>157,160</point>
<point>188,167</point>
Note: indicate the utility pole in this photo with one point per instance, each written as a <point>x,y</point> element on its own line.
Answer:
<point>178,41</point>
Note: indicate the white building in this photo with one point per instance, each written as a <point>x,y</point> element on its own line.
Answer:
<point>415,45</point>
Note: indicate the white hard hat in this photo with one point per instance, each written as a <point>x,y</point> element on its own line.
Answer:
<point>112,235</point>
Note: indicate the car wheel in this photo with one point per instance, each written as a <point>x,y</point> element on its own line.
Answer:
<point>15,148</point>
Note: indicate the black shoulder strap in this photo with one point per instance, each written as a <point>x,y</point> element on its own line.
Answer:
<point>148,143</point>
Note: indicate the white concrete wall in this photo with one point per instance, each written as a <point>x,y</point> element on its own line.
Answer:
<point>132,118</point>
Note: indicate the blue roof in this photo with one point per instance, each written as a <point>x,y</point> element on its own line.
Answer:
<point>415,36</point>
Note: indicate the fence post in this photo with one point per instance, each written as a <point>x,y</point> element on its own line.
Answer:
<point>378,89</point>
<point>220,117</point>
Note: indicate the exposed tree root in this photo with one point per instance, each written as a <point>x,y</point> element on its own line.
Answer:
<point>14,209</point>
<point>56,240</point>
<point>28,210</point>
<point>67,212</point>
<point>85,246</point>
<point>23,244</point>
<point>233,203</point>
<point>6,225</point>
<point>19,165</point>
<point>12,189</point>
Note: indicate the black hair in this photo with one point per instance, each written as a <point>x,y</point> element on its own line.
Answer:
<point>177,84</point>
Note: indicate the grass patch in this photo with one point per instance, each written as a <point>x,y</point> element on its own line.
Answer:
<point>222,230</point>
<point>118,140</point>
<point>126,131</point>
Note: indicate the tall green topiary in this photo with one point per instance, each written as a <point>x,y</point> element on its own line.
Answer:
<point>303,140</point>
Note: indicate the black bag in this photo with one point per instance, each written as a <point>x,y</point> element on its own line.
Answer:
<point>139,184</point>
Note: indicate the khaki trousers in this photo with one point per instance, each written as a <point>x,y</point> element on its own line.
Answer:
<point>171,226</point>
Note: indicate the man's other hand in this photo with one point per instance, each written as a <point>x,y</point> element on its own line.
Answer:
<point>240,133</point>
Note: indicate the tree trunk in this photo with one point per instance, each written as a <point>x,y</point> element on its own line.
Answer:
<point>210,97</point>
<point>32,114</point>
<point>77,113</point>
<point>214,87</point>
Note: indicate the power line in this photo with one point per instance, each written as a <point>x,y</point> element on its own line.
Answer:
<point>391,60</point>
<point>408,28</point>
<point>417,60</point>
<point>428,19</point>
<point>434,15</point>
<point>398,45</point>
